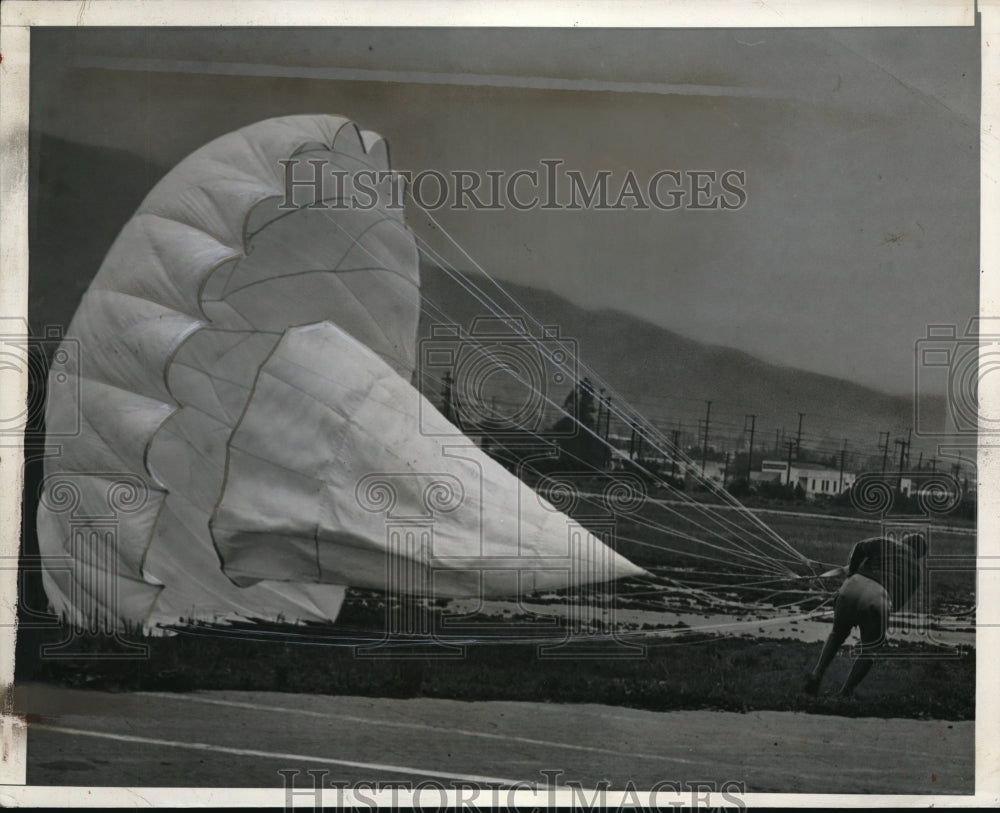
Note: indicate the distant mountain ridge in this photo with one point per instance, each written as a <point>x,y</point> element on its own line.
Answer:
<point>668,377</point>
<point>81,198</point>
<point>83,195</point>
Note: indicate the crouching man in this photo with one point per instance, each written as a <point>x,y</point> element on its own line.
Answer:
<point>882,575</point>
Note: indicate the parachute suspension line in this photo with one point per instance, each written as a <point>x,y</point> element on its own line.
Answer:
<point>776,542</point>
<point>655,526</point>
<point>717,519</point>
<point>759,560</point>
<point>751,552</point>
<point>714,516</point>
<point>439,313</point>
<point>753,559</point>
<point>714,559</point>
<point>725,581</point>
<point>763,563</point>
<point>635,417</point>
<point>672,585</point>
<point>488,301</point>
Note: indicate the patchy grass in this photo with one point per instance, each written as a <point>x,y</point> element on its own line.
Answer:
<point>696,672</point>
<point>735,674</point>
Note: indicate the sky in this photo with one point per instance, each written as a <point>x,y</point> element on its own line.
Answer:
<point>859,148</point>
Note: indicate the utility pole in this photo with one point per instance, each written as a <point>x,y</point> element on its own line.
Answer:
<point>725,471</point>
<point>604,425</point>
<point>883,446</point>
<point>788,471</point>
<point>920,461</point>
<point>704,445</point>
<point>933,465</point>
<point>909,440</point>
<point>798,436</point>
<point>902,444</point>
<point>753,425</point>
<point>843,451</point>
<point>777,441</point>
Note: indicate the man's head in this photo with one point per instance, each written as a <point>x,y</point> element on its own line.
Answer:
<point>917,542</point>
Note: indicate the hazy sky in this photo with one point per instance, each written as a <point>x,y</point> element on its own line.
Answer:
<point>860,148</point>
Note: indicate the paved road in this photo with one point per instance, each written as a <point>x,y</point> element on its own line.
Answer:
<point>242,739</point>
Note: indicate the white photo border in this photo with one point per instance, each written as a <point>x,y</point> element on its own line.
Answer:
<point>17,17</point>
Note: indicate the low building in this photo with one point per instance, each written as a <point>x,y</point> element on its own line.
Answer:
<point>814,478</point>
<point>770,471</point>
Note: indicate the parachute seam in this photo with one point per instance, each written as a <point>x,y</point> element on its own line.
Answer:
<point>171,358</point>
<point>147,207</point>
<point>344,539</point>
<point>274,463</point>
<point>361,143</point>
<point>298,149</point>
<point>323,210</point>
<point>207,275</point>
<point>151,208</point>
<point>336,455</point>
<point>335,271</point>
<point>173,361</point>
<point>210,548</point>
<point>101,382</point>
<point>356,239</point>
<point>229,449</point>
<point>110,447</point>
<point>215,393</point>
<point>172,219</point>
<point>245,236</point>
<point>169,275</point>
<point>249,235</point>
<point>146,619</point>
<point>366,309</point>
<point>367,395</point>
<point>118,292</point>
<point>194,408</point>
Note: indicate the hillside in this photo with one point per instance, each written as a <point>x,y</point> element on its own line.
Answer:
<point>84,195</point>
<point>667,377</point>
<point>81,198</point>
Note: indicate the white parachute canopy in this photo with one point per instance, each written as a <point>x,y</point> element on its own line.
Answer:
<point>250,441</point>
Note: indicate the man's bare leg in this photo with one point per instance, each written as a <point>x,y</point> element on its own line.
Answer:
<point>862,666</point>
<point>835,640</point>
<point>873,628</point>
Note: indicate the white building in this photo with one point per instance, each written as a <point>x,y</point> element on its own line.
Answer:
<point>815,478</point>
